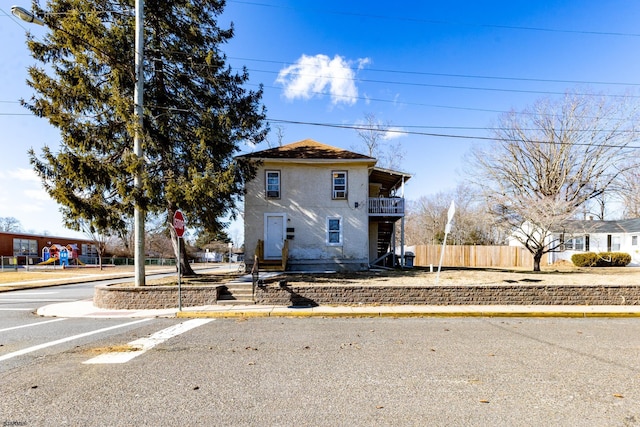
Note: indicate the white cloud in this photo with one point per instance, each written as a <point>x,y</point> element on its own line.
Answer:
<point>363,62</point>
<point>37,195</point>
<point>386,131</point>
<point>394,132</point>
<point>311,76</point>
<point>23,174</point>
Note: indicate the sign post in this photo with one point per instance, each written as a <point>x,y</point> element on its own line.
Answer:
<point>178,226</point>
<point>447,230</point>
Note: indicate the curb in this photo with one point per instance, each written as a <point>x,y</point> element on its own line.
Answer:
<point>387,314</point>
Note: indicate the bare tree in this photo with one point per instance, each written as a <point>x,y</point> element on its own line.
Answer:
<point>99,239</point>
<point>10,224</point>
<point>374,134</point>
<point>630,193</point>
<point>279,129</point>
<point>548,161</point>
<point>427,217</point>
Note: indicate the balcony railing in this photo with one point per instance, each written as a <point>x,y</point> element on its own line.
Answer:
<point>386,206</point>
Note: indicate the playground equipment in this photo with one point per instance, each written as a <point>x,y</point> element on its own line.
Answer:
<point>58,254</point>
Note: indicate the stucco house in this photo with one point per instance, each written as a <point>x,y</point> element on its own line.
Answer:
<point>316,207</point>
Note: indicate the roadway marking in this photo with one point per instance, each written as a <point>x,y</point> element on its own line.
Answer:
<point>36,293</point>
<point>141,345</point>
<point>67,339</point>
<point>34,299</point>
<point>31,324</point>
<point>17,309</point>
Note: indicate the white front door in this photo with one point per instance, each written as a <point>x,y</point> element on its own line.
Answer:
<point>274,233</point>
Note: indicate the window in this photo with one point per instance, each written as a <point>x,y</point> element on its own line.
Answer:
<point>339,185</point>
<point>273,184</point>
<point>634,240</point>
<point>568,244</point>
<point>334,231</point>
<point>25,247</point>
<point>578,243</point>
<point>89,250</point>
<point>615,244</point>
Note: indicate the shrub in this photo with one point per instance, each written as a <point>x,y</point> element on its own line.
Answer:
<point>602,259</point>
<point>586,259</point>
<point>618,259</point>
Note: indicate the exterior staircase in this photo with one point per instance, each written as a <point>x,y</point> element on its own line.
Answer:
<point>385,233</point>
<point>240,290</point>
<point>237,293</point>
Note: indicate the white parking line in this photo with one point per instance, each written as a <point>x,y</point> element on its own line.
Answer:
<point>36,293</point>
<point>30,324</point>
<point>141,345</point>
<point>67,339</point>
<point>34,299</point>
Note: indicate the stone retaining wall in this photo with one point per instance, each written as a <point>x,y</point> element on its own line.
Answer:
<point>153,297</point>
<point>158,297</point>
<point>273,294</point>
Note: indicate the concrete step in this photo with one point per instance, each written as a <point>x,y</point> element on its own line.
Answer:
<point>229,297</point>
<point>235,302</point>
<point>236,294</point>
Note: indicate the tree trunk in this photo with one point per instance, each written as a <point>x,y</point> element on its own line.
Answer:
<point>185,267</point>
<point>536,261</point>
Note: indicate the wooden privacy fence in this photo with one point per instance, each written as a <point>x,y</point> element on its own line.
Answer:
<point>474,256</point>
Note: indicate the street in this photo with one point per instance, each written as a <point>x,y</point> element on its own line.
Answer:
<point>323,372</point>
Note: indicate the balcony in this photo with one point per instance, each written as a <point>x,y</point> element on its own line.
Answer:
<point>386,206</point>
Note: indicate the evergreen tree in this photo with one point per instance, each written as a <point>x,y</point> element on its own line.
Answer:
<point>196,113</point>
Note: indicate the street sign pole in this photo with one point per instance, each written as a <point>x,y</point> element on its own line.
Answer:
<point>179,278</point>
<point>178,226</point>
<point>447,230</point>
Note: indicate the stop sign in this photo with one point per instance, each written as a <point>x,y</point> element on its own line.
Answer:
<point>178,223</point>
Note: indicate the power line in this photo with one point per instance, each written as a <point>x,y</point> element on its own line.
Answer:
<point>415,104</point>
<point>445,135</point>
<point>465,76</point>
<point>443,22</point>
<point>388,82</point>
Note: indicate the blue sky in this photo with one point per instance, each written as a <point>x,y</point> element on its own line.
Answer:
<point>442,72</point>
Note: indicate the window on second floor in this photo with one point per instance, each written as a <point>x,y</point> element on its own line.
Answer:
<point>273,184</point>
<point>339,185</point>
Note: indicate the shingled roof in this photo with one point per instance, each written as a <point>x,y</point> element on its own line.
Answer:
<point>590,226</point>
<point>308,149</point>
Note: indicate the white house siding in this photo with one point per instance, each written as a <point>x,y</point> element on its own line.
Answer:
<point>305,199</point>
<point>598,242</point>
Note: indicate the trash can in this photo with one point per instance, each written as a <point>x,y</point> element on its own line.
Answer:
<point>408,259</point>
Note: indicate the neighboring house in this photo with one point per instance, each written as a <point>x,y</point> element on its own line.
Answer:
<point>316,207</point>
<point>577,236</point>
<point>209,256</point>
<point>598,236</point>
<point>213,256</point>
